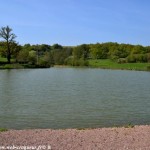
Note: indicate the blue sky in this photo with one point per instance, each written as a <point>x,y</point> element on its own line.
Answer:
<point>74,22</point>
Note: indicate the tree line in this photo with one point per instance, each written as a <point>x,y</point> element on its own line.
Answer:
<point>45,55</point>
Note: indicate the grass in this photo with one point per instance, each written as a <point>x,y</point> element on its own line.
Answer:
<point>129,125</point>
<point>109,64</point>
<point>3,59</point>
<point>4,65</point>
<point>3,129</point>
<point>11,66</point>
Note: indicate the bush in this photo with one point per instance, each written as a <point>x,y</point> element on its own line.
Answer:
<point>122,60</point>
<point>148,68</point>
<point>32,58</point>
<point>44,63</point>
<point>76,62</point>
<point>131,59</point>
<point>80,62</point>
<point>148,57</point>
<point>137,58</point>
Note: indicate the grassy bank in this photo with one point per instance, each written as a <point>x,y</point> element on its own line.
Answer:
<point>93,63</point>
<point>5,65</point>
<point>109,64</point>
<point>4,60</point>
<point>11,66</point>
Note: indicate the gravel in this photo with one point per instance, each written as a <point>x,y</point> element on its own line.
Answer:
<point>136,138</point>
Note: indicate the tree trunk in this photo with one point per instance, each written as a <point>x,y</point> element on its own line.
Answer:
<point>8,53</point>
<point>8,58</point>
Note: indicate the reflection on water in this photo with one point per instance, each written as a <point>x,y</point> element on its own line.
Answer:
<point>73,98</point>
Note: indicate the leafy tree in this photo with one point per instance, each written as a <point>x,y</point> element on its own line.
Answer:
<point>138,49</point>
<point>3,49</point>
<point>32,57</point>
<point>23,56</point>
<point>148,57</point>
<point>46,60</point>
<point>81,51</point>
<point>95,51</point>
<point>99,51</point>
<point>57,46</point>
<point>8,36</point>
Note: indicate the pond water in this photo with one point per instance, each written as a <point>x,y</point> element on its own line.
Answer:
<point>73,98</point>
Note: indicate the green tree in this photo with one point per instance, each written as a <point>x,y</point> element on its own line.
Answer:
<point>32,57</point>
<point>46,60</point>
<point>57,46</point>
<point>81,51</point>
<point>23,56</point>
<point>138,49</point>
<point>8,36</point>
<point>98,51</point>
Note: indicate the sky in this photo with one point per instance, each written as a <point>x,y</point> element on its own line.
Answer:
<point>75,22</point>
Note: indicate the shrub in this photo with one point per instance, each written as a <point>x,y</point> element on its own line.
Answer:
<point>44,63</point>
<point>122,60</point>
<point>148,57</point>
<point>131,59</point>
<point>137,58</point>
<point>148,68</point>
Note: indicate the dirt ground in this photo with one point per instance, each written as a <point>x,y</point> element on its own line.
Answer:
<point>136,138</point>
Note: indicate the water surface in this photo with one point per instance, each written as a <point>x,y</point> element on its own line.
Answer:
<point>73,98</point>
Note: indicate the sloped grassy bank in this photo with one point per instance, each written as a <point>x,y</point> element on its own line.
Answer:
<point>109,64</point>
<point>21,66</point>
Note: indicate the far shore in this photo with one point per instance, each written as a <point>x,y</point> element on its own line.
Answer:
<point>121,138</point>
<point>99,64</point>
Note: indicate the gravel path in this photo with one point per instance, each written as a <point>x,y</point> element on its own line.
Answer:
<point>137,138</point>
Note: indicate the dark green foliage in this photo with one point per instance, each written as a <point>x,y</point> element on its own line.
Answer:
<point>60,55</point>
<point>148,57</point>
<point>81,51</point>
<point>23,56</point>
<point>45,55</point>
<point>98,51</point>
<point>45,61</point>
<point>57,46</point>
<point>148,68</point>
<point>133,58</point>
<point>138,49</point>
<point>8,37</point>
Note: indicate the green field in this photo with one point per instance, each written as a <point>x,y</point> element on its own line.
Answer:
<point>3,59</point>
<point>109,64</point>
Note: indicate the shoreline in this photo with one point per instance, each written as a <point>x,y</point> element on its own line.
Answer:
<point>84,67</point>
<point>115,138</point>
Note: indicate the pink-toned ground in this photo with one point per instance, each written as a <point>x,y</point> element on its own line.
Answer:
<point>136,138</point>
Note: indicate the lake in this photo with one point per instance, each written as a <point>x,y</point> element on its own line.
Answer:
<point>73,98</point>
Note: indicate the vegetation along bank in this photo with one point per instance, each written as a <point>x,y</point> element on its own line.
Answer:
<point>101,55</point>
